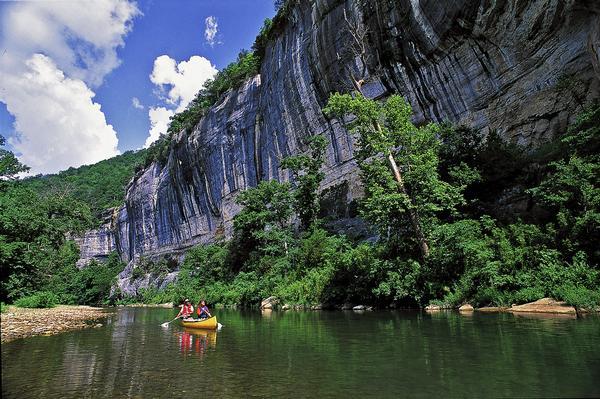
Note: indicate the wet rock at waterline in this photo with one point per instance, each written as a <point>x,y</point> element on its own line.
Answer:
<point>269,303</point>
<point>544,305</point>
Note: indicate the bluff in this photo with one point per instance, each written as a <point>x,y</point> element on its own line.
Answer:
<point>519,68</point>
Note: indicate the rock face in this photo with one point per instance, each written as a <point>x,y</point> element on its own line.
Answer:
<point>96,244</point>
<point>520,68</point>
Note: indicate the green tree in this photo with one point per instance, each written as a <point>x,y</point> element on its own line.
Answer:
<point>264,223</point>
<point>9,164</point>
<point>399,164</point>
<point>571,189</point>
<point>33,233</point>
<point>307,176</point>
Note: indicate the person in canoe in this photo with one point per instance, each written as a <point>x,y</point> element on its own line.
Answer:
<point>203,312</point>
<point>187,309</point>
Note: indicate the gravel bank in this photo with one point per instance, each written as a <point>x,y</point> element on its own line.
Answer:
<point>22,323</point>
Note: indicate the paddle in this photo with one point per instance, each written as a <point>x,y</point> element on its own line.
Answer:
<point>168,322</point>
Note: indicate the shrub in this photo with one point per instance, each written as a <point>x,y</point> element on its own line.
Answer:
<point>42,299</point>
<point>207,263</point>
<point>580,297</point>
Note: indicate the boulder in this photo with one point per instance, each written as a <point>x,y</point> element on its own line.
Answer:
<point>433,308</point>
<point>544,305</point>
<point>317,307</point>
<point>346,306</point>
<point>359,307</point>
<point>466,308</point>
<point>269,302</point>
<point>286,307</point>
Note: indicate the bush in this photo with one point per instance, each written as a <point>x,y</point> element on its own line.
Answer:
<point>207,263</point>
<point>41,299</point>
<point>580,297</point>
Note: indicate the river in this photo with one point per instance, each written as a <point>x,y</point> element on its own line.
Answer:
<point>311,354</point>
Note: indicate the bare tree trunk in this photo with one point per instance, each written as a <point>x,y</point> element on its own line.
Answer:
<point>412,214</point>
<point>359,48</point>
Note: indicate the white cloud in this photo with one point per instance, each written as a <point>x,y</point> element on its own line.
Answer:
<point>53,52</point>
<point>159,122</point>
<point>59,123</point>
<point>210,30</point>
<point>181,82</point>
<point>185,79</point>
<point>136,103</point>
<point>80,36</point>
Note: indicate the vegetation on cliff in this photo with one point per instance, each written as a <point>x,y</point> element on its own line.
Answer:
<point>448,175</point>
<point>233,76</point>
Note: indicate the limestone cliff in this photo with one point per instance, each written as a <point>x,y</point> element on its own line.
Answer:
<point>521,68</point>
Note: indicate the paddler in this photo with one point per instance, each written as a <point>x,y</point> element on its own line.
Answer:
<point>203,312</point>
<point>187,309</point>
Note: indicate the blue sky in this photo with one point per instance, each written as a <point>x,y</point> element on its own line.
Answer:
<point>59,64</point>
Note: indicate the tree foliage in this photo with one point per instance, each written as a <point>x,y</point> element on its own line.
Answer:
<point>100,186</point>
<point>10,166</point>
<point>384,131</point>
<point>307,176</point>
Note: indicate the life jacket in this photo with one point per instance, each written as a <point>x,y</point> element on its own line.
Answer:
<point>187,309</point>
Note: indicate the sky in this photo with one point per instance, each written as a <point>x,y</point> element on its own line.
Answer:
<point>85,80</point>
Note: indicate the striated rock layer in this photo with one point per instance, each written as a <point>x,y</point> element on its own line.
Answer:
<point>521,68</point>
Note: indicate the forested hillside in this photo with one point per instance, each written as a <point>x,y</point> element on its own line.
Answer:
<point>100,186</point>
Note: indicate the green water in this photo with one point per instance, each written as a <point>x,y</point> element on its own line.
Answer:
<point>311,354</point>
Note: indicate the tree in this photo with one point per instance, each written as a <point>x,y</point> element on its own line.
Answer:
<point>387,141</point>
<point>571,191</point>
<point>9,164</point>
<point>358,50</point>
<point>307,176</point>
<point>367,113</point>
<point>33,238</point>
<point>264,222</point>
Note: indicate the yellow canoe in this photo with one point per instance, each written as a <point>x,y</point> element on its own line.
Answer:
<point>206,324</point>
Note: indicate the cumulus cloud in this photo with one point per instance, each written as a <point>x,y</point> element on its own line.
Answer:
<point>53,53</point>
<point>159,122</point>
<point>59,123</point>
<point>135,102</point>
<point>210,30</point>
<point>179,82</point>
<point>183,80</point>
<point>81,37</point>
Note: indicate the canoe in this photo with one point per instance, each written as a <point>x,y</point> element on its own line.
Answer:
<point>207,324</point>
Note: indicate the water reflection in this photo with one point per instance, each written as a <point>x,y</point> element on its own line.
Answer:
<point>312,354</point>
<point>196,341</point>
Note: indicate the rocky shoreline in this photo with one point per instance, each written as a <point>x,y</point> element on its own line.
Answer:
<point>544,306</point>
<point>22,322</point>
